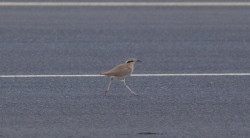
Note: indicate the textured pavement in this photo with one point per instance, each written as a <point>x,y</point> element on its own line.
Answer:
<point>90,40</point>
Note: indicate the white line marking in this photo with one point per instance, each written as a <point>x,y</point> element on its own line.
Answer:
<point>45,76</point>
<point>201,74</point>
<point>136,75</point>
<point>124,3</point>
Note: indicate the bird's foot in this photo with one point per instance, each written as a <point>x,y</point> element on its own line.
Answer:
<point>135,94</point>
<point>105,92</point>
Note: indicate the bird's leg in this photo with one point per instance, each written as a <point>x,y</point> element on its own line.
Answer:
<point>129,88</point>
<point>105,92</point>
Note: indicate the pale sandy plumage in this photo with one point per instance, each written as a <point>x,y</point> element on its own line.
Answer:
<point>122,71</point>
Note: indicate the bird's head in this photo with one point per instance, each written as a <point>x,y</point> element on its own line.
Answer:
<point>133,60</point>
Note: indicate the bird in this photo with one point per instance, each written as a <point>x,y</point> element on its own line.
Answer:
<point>121,72</point>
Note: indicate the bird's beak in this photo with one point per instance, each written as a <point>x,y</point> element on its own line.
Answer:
<point>138,61</point>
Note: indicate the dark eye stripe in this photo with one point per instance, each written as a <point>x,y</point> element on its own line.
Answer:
<point>129,61</point>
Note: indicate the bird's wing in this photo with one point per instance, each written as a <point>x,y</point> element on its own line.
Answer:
<point>120,70</point>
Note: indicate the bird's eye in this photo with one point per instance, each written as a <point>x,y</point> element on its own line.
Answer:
<point>129,61</point>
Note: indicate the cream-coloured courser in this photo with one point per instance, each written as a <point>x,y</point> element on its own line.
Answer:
<point>120,72</point>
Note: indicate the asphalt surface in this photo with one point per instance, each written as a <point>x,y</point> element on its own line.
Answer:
<point>127,1</point>
<point>90,40</point>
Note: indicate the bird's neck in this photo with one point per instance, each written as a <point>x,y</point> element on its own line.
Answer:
<point>131,65</point>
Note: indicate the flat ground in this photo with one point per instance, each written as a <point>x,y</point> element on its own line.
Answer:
<point>90,40</point>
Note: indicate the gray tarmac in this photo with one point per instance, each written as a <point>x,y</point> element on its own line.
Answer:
<point>90,40</point>
<point>127,1</point>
